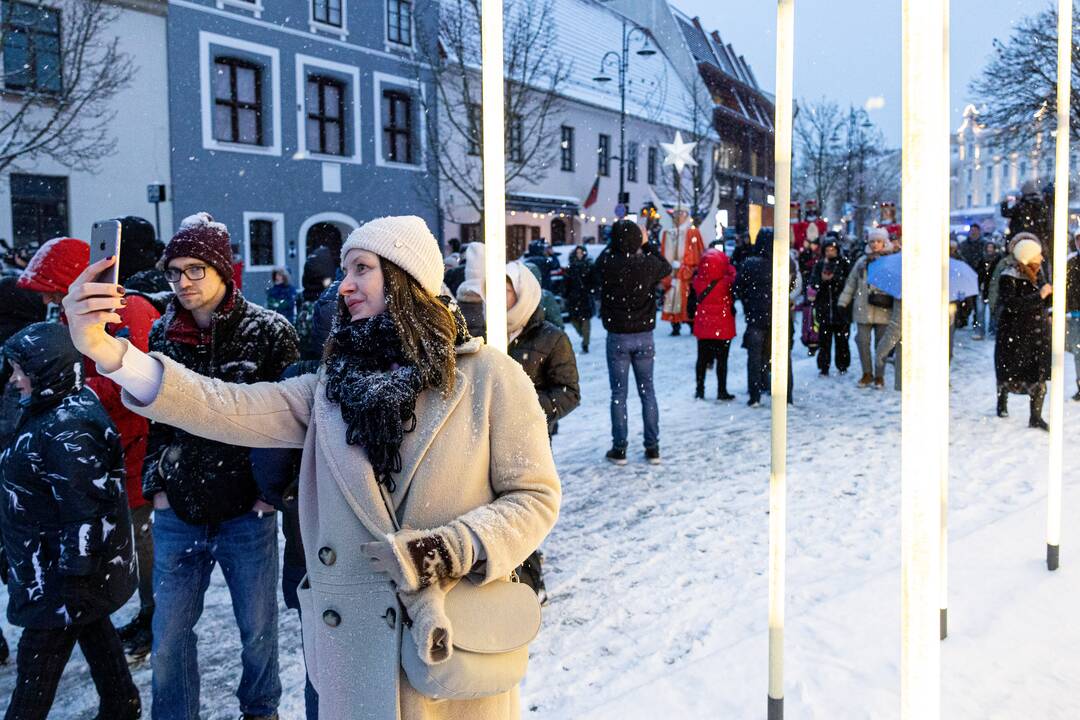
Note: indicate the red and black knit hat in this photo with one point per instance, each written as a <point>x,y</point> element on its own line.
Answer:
<point>200,237</point>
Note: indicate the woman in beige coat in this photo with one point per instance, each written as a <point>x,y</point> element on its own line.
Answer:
<point>406,412</point>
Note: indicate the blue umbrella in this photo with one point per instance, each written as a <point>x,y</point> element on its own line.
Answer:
<point>886,275</point>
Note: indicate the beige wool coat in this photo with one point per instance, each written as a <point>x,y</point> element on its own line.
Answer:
<point>479,458</point>
<point>856,293</point>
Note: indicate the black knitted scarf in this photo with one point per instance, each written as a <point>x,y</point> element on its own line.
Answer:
<point>376,385</point>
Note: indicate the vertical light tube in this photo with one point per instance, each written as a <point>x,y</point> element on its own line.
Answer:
<point>1061,246</point>
<point>924,351</point>
<point>946,360</point>
<point>491,73</point>
<point>785,76</point>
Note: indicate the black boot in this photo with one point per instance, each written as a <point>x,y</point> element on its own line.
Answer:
<point>142,619</point>
<point>1036,421</point>
<point>699,392</point>
<point>1077,395</point>
<point>724,395</point>
<point>1003,404</point>
<point>5,653</point>
<point>138,642</point>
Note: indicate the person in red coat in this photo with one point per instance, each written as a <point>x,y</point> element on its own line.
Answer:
<point>682,247</point>
<point>714,323</point>
<point>52,269</point>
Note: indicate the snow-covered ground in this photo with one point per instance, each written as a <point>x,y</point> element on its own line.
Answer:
<point>657,575</point>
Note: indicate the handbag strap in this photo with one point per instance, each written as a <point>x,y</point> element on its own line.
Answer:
<point>707,290</point>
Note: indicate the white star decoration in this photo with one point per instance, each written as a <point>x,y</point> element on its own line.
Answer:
<point>678,153</point>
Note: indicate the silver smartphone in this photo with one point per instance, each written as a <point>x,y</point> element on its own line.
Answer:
<point>105,242</point>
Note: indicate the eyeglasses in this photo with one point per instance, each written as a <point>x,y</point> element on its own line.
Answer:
<point>191,272</point>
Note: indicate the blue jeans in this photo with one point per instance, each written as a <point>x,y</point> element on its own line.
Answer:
<point>978,323</point>
<point>623,351</point>
<point>184,556</point>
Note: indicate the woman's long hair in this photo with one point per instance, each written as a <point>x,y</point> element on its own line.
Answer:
<point>426,327</point>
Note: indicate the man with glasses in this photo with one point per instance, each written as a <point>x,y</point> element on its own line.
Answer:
<point>207,508</point>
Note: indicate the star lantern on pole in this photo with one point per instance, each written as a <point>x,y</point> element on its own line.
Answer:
<point>678,154</point>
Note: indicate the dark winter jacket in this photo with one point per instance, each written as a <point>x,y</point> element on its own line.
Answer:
<point>545,353</point>
<point>971,251</point>
<point>1072,283</point>
<point>283,299</point>
<point>549,301</point>
<point>577,291</point>
<point>1030,214</point>
<point>18,308</point>
<point>152,285</point>
<point>827,311</point>
<point>209,482</point>
<point>547,264</point>
<point>753,285</point>
<point>1022,351</point>
<point>985,270</point>
<point>63,511</point>
<point>627,274</point>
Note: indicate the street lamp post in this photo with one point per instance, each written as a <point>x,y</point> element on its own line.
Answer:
<point>622,62</point>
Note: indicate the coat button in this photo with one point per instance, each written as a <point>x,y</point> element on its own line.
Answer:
<point>391,617</point>
<point>331,618</point>
<point>327,556</point>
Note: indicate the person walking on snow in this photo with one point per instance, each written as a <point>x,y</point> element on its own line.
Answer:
<point>870,307</point>
<point>683,247</point>
<point>1022,351</point>
<point>207,508</point>
<point>714,324</point>
<point>577,292</point>
<point>408,423</point>
<point>65,529</point>
<point>50,272</point>
<point>627,273</point>
<point>834,322</point>
<point>753,287</point>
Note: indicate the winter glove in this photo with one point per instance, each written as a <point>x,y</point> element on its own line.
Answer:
<point>417,559</point>
<point>429,624</point>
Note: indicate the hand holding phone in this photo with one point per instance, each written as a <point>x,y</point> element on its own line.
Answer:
<point>104,243</point>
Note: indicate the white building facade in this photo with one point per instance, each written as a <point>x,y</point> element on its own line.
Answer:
<point>41,199</point>
<point>983,177</point>
<point>665,93</point>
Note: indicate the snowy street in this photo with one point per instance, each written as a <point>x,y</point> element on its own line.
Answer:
<point>657,575</point>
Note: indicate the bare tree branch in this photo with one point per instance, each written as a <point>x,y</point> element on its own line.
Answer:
<point>69,124</point>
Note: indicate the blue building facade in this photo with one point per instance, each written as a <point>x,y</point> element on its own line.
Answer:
<point>294,121</point>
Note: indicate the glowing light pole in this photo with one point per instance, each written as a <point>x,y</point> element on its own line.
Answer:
<point>925,374</point>
<point>785,77</point>
<point>1061,245</point>
<point>494,159</point>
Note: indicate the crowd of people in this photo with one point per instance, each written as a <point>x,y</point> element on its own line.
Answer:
<point>158,428</point>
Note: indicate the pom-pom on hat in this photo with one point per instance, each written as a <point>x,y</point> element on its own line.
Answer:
<point>1027,248</point>
<point>405,241</point>
<point>201,237</point>
<point>55,266</point>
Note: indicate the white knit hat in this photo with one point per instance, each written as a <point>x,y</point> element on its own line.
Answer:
<point>1027,248</point>
<point>878,233</point>
<point>405,241</point>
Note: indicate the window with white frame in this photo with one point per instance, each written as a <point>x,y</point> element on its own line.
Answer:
<point>397,126</point>
<point>324,98</point>
<point>328,109</point>
<point>328,12</point>
<point>399,22</point>
<point>603,155</point>
<point>255,7</point>
<point>400,131</point>
<point>475,121</point>
<point>566,149</point>
<point>30,35</point>
<point>238,114</point>
<point>264,241</point>
<point>631,162</point>
<point>515,139</point>
<point>239,93</point>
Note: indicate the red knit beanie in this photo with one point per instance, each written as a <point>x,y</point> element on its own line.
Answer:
<point>55,265</point>
<point>200,237</point>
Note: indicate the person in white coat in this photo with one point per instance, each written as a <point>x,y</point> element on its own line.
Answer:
<point>408,423</point>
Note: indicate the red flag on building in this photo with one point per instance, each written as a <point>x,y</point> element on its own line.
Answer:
<point>593,194</point>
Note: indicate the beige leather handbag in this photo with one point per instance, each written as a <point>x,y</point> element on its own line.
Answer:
<point>492,626</point>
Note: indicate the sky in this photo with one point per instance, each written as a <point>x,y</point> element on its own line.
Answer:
<point>849,50</point>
